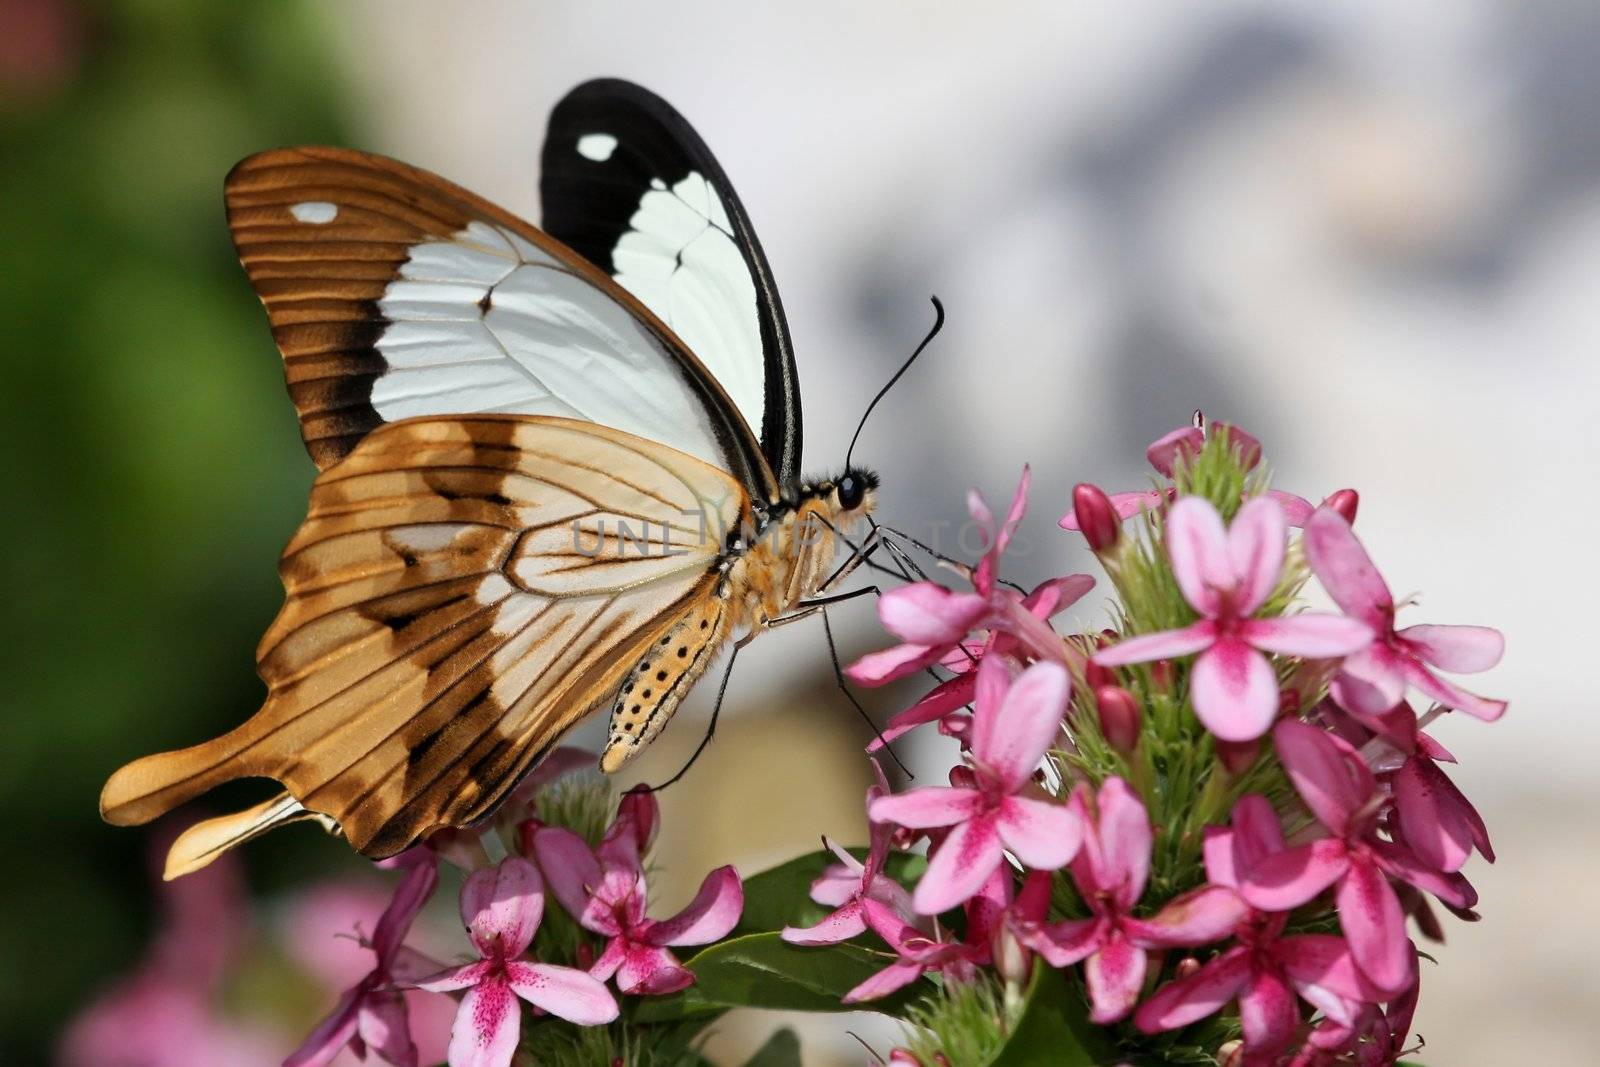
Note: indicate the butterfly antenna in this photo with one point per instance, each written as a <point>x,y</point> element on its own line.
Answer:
<point>938,324</point>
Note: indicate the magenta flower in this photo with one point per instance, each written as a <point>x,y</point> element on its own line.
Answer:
<point>1376,677</point>
<point>501,907</point>
<point>932,622</point>
<point>1343,795</point>
<point>372,1015</point>
<point>917,952</point>
<point>1226,576</point>
<point>1435,817</point>
<point>1264,971</point>
<point>1110,872</point>
<point>1013,727</point>
<point>849,884</point>
<point>606,893</point>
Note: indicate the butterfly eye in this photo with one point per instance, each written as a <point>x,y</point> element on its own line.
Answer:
<point>851,492</point>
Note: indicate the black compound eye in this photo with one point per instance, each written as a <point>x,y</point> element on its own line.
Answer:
<point>852,491</point>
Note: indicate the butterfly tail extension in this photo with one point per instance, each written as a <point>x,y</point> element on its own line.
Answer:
<point>203,842</point>
<point>660,680</point>
<point>153,785</point>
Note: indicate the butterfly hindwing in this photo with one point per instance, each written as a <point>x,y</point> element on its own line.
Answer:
<point>627,183</point>
<point>393,293</point>
<point>433,642</point>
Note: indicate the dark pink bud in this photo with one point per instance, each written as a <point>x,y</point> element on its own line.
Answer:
<point>1119,717</point>
<point>584,956</point>
<point>1345,502</point>
<point>963,778</point>
<point>1097,519</point>
<point>640,810</point>
<point>525,831</point>
<point>1186,967</point>
<point>1162,675</point>
<point>1288,700</point>
<point>1238,756</point>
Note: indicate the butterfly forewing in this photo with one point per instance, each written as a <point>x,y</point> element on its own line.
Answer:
<point>393,293</point>
<point>432,644</point>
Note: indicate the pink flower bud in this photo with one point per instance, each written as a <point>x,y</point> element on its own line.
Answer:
<point>1162,675</point>
<point>1097,519</point>
<point>963,778</point>
<point>1186,967</point>
<point>1344,502</point>
<point>525,831</point>
<point>1237,756</point>
<point>1231,1054</point>
<point>1012,960</point>
<point>640,810</point>
<point>1244,445</point>
<point>957,725</point>
<point>1119,717</point>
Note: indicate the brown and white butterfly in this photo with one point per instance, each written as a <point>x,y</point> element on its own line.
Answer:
<point>558,472</point>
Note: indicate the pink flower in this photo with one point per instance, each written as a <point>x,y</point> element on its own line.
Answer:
<point>932,621</point>
<point>917,952</point>
<point>1110,872</point>
<point>501,907</point>
<point>605,892</point>
<point>1013,727</point>
<point>1435,817</point>
<point>1265,971</point>
<point>1341,792</point>
<point>849,884</point>
<point>372,1015</point>
<point>1376,677</point>
<point>1226,576</point>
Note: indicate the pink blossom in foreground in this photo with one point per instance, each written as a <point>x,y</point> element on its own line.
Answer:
<point>932,622</point>
<point>1342,793</point>
<point>1014,725</point>
<point>1226,575</point>
<point>1110,872</point>
<point>849,884</point>
<point>372,1015</point>
<point>605,893</point>
<point>501,907</point>
<point>1375,678</point>
<point>1264,971</point>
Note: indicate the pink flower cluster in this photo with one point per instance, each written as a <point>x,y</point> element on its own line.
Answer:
<point>502,905</point>
<point>1346,822</point>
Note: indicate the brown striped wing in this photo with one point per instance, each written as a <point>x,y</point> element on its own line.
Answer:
<point>394,294</point>
<point>463,590</point>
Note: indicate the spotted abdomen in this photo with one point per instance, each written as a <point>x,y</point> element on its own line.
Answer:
<point>659,681</point>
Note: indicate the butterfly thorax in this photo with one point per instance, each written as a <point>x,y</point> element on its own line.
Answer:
<point>790,557</point>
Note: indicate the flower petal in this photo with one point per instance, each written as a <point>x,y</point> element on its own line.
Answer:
<point>488,1026</point>
<point>1296,509</point>
<point>1451,696</point>
<point>409,897</point>
<point>384,1026</point>
<point>1051,597</point>
<point>1198,917</point>
<point>1334,785</point>
<point>1371,681</point>
<point>1164,644</point>
<point>562,991</point>
<point>895,976</point>
<point>881,668</point>
<point>1375,925</point>
<point>1123,837</point>
<point>840,925</point>
<point>928,807</point>
<point>959,866</point>
<point>1114,976</point>
<point>1043,834</point>
<point>1321,960</point>
<point>1268,1015</point>
<point>1012,738</point>
<point>1234,691</point>
<point>649,970</point>
<point>452,979</point>
<point>1063,943</point>
<point>332,1034</point>
<point>573,874</point>
<point>923,613</point>
<point>1186,1000</point>
<point>1257,541</point>
<point>940,701</point>
<point>1457,649</point>
<point>1312,635</point>
<point>1287,880</point>
<point>1185,442</point>
<point>1197,544</point>
<point>1437,821</point>
<point>1346,571</point>
<point>501,907</point>
<point>713,912</point>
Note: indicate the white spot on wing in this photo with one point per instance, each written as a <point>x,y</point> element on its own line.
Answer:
<point>597,146</point>
<point>316,212</point>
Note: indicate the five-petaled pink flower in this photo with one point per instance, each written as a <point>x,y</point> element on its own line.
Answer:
<point>1110,872</point>
<point>501,907</point>
<point>1226,576</point>
<point>606,893</point>
<point>1014,725</point>
<point>371,1015</point>
<point>932,622</point>
<point>1265,970</point>
<point>1342,793</point>
<point>918,952</point>
<point>1375,678</point>
<point>849,884</point>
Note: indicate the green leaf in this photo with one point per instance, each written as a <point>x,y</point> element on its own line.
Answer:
<point>764,971</point>
<point>781,1050</point>
<point>1054,1028</point>
<point>781,896</point>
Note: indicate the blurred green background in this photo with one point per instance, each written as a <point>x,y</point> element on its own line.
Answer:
<point>152,458</point>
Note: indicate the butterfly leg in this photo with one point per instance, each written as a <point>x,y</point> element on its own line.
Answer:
<point>711,728</point>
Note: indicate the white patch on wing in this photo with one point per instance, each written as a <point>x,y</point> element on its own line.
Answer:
<point>488,322</point>
<point>680,259</point>
<point>428,537</point>
<point>597,146</point>
<point>317,212</point>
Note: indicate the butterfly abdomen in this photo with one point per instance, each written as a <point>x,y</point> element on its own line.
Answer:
<point>658,683</point>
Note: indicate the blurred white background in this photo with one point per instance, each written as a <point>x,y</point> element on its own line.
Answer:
<point>1369,232</point>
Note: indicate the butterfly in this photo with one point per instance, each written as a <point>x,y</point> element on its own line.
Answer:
<point>558,472</point>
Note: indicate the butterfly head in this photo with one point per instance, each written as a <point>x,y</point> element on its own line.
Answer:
<point>845,499</point>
